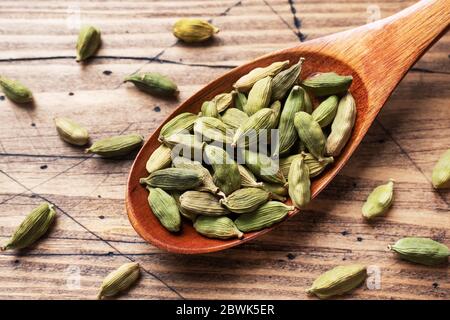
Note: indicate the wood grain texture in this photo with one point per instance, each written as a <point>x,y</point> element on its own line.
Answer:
<point>93,234</point>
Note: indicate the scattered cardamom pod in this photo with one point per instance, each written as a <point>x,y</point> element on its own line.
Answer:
<point>341,128</point>
<point>234,117</point>
<point>119,280</point>
<point>213,129</point>
<point>153,83</point>
<point>161,158</point>
<point>34,226</point>
<point>421,250</point>
<point>226,171</point>
<point>310,134</point>
<point>217,227</point>
<point>249,131</point>
<point>338,281</point>
<point>193,30</point>
<point>184,122</point>
<point>299,183</point>
<point>15,91</point>
<point>89,41</point>
<point>441,172</point>
<point>264,217</point>
<point>326,84</point>
<point>240,100</point>
<point>326,111</point>
<point>209,109</point>
<point>173,179</point>
<point>264,167</point>
<point>379,200</point>
<point>224,100</point>
<point>202,203</point>
<point>71,132</point>
<point>245,200</point>
<point>248,179</point>
<point>259,96</point>
<point>285,79</point>
<point>165,208</point>
<point>116,146</point>
<point>246,82</point>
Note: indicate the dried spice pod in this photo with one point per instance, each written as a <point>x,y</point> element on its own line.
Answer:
<point>264,217</point>
<point>71,132</point>
<point>217,227</point>
<point>315,166</point>
<point>259,96</point>
<point>223,101</point>
<point>119,280</point>
<point>202,203</point>
<point>153,83</point>
<point>234,117</point>
<point>209,109</point>
<point>246,82</point>
<point>284,80</point>
<point>277,191</point>
<point>310,133</point>
<point>264,167</point>
<point>248,179</point>
<point>182,123</point>
<point>338,281</point>
<point>165,208</point>
<point>33,227</point>
<point>184,213</point>
<point>307,101</point>
<point>240,100</point>
<point>193,30</point>
<point>441,172</point>
<point>161,158</point>
<point>174,179</point>
<point>421,250</point>
<point>116,146</point>
<point>379,201</point>
<point>299,183</point>
<point>186,145</point>
<point>276,107</point>
<point>326,111</point>
<point>327,83</point>
<point>245,200</point>
<point>226,172</point>
<point>89,40</point>
<point>213,129</point>
<point>15,90</point>
<point>249,132</point>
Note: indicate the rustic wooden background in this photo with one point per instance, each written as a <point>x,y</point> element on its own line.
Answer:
<point>93,236</point>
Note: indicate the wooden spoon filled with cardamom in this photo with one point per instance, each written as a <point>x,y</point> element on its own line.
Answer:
<point>376,55</point>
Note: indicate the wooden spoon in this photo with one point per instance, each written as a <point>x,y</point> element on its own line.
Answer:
<point>377,55</point>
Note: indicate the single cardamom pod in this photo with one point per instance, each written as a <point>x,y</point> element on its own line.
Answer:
<point>185,145</point>
<point>441,172</point>
<point>226,171</point>
<point>379,200</point>
<point>310,134</point>
<point>153,83</point>
<point>15,91</point>
<point>71,132</point>
<point>284,80</point>
<point>249,131</point>
<point>248,179</point>
<point>264,167</point>
<point>245,200</point>
<point>209,109</point>
<point>188,215</point>
<point>421,250</point>
<point>264,217</point>
<point>161,158</point>
<point>182,123</point>
<point>288,134</point>
<point>116,146</point>
<point>233,118</point>
<point>307,102</point>
<point>213,129</point>
<point>299,183</point>
<point>193,30</point>
<point>246,82</point>
<point>34,226</point>
<point>259,96</point>
<point>240,100</point>
<point>89,41</point>
<point>217,227</point>
<point>326,84</point>
<point>277,191</point>
<point>173,179</point>
<point>119,280</point>
<point>315,166</point>
<point>208,182</point>
<point>202,203</point>
<point>326,111</point>
<point>224,100</point>
<point>338,281</point>
<point>276,108</point>
<point>341,128</point>
<point>165,208</point>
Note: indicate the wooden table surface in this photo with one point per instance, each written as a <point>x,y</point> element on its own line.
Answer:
<point>92,235</point>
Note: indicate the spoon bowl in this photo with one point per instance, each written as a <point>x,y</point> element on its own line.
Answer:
<point>377,55</point>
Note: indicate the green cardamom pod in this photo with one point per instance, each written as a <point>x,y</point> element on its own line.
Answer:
<point>89,41</point>
<point>307,102</point>
<point>264,167</point>
<point>341,128</point>
<point>338,281</point>
<point>217,227</point>
<point>264,217</point>
<point>165,208</point>
<point>193,30</point>
<point>326,84</point>
<point>153,83</point>
<point>71,132</point>
<point>245,200</point>
<point>284,80</point>
<point>326,111</point>
<point>441,172</point>
<point>248,179</point>
<point>184,122</point>
<point>259,96</point>
<point>15,91</point>
<point>119,280</point>
<point>185,145</point>
<point>188,215</point>
<point>421,250</point>
<point>310,134</point>
<point>379,200</point>
<point>213,129</point>
<point>249,131</point>
<point>276,108</point>
<point>226,171</point>
<point>116,146</point>
<point>287,133</point>
<point>224,100</point>
<point>173,179</point>
<point>233,118</point>
<point>315,166</point>
<point>246,82</point>
<point>277,191</point>
<point>240,100</point>
<point>161,158</point>
<point>34,226</point>
<point>209,109</point>
<point>299,183</point>
<point>202,203</point>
